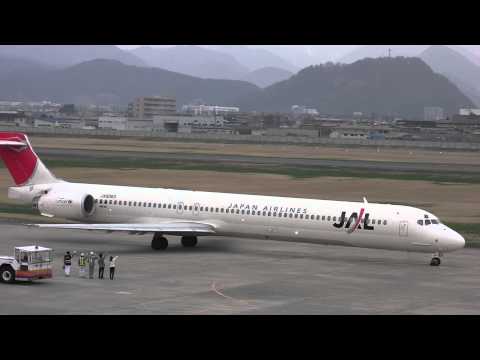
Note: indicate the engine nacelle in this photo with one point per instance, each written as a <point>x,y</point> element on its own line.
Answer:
<point>66,205</point>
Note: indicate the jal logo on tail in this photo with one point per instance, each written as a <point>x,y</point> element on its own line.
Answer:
<point>354,219</point>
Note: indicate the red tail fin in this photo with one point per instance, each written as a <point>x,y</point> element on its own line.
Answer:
<point>21,161</point>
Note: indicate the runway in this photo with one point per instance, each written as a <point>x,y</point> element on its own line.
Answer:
<point>261,160</point>
<point>241,276</point>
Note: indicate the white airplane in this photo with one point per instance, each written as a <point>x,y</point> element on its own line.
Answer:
<point>190,214</point>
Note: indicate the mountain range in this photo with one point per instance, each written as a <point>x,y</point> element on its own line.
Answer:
<point>398,86</point>
<point>459,64</point>
<point>219,62</point>
<point>112,82</point>
<point>456,67</point>
<point>68,55</point>
<point>370,85</point>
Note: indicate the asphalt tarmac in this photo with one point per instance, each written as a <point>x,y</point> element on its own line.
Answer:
<point>241,276</point>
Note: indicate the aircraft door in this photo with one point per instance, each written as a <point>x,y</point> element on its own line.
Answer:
<point>403,228</point>
<point>196,209</point>
<point>180,208</point>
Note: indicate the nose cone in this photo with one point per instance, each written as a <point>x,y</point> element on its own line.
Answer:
<point>454,241</point>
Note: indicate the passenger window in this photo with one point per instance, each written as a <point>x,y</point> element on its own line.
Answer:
<point>318,217</point>
<point>154,205</point>
<point>216,210</point>
<point>264,213</point>
<point>144,204</point>
<point>190,208</point>
<point>125,203</point>
<point>96,201</point>
<point>201,208</point>
<point>149,205</point>
<point>248,212</point>
<point>334,218</point>
<point>169,206</point>
<point>222,210</point>
<point>275,214</point>
<point>296,216</point>
<point>291,215</point>
<point>285,215</point>
<point>164,206</point>
<point>312,217</point>
<point>420,222</point>
<point>174,206</point>
<point>323,218</point>
<point>243,212</point>
<point>384,222</point>
<point>179,207</point>
<point>328,218</point>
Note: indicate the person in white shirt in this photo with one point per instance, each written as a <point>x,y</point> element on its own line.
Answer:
<point>112,266</point>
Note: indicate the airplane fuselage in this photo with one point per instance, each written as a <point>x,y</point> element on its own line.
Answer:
<point>381,226</point>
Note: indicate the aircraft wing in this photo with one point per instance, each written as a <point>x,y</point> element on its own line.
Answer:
<point>167,228</point>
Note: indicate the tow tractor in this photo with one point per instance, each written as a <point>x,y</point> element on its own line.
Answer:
<point>29,263</point>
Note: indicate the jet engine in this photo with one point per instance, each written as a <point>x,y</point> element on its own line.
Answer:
<point>66,205</point>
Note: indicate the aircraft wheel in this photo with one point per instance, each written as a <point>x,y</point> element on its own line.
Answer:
<point>189,241</point>
<point>435,261</point>
<point>159,242</point>
<point>7,274</point>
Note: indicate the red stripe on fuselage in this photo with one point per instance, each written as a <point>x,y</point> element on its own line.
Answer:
<point>20,161</point>
<point>359,219</point>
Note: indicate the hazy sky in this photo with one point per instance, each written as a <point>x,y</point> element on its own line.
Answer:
<point>305,55</point>
<point>299,55</point>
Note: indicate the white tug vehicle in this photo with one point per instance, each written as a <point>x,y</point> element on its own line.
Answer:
<point>29,263</point>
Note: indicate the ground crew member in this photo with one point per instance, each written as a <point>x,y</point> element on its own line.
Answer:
<point>91,264</point>
<point>101,266</point>
<point>67,263</point>
<point>112,266</point>
<point>82,263</point>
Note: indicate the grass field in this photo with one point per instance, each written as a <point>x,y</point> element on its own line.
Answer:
<point>294,172</point>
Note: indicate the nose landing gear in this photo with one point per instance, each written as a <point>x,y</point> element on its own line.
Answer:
<point>436,259</point>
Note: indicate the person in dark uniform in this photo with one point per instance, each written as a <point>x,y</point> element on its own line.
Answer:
<point>101,266</point>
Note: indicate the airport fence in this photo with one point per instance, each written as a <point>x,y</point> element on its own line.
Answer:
<point>253,139</point>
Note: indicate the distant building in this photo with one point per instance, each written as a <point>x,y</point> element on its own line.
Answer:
<point>195,109</point>
<point>12,118</point>
<point>301,110</point>
<point>467,112</point>
<point>433,113</point>
<point>148,107</point>
<point>179,123</point>
<point>112,122</point>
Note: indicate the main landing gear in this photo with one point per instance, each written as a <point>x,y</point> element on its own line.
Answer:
<point>189,241</point>
<point>436,259</point>
<point>159,242</point>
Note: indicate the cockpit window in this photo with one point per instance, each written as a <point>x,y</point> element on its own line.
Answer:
<point>427,222</point>
<point>435,221</point>
<point>420,222</point>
